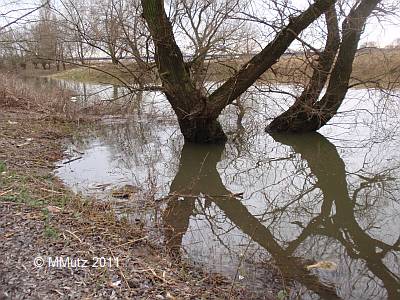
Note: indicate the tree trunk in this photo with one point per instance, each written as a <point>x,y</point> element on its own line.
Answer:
<point>299,117</point>
<point>114,60</point>
<point>197,114</point>
<point>202,130</point>
<point>307,113</point>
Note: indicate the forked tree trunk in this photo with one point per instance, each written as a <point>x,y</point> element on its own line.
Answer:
<point>296,115</point>
<point>308,114</point>
<point>198,114</point>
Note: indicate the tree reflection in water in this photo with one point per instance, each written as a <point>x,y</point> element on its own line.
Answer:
<point>300,204</point>
<point>198,177</point>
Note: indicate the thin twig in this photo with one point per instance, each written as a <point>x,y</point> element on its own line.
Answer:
<point>74,235</point>
<point>5,192</point>
<point>130,242</point>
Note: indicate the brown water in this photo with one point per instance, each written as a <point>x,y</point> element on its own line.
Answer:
<point>260,209</point>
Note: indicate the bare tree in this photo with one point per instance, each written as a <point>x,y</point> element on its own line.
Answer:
<point>25,13</point>
<point>395,44</point>
<point>209,29</point>
<point>197,114</point>
<point>110,29</point>
<point>78,21</point>
<point>149,32</point>
<point>308,113</point>
<point>46,36</point>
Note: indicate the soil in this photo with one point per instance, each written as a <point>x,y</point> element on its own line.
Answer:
<point>40,219</point>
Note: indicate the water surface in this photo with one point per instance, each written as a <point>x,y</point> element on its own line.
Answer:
<point>261,208</point>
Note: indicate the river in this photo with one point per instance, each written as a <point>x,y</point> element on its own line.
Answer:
<point>261,208</point>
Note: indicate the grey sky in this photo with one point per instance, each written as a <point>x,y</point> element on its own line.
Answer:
<point>383,32</point>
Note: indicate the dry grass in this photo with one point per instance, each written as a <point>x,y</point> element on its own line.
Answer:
<point>106,73</point>
<point>377,67</point>
<point>17,93</point>
<point>372,67</point>
<point>52,101</point>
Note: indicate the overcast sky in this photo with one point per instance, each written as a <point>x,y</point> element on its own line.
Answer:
<point>384,32</point>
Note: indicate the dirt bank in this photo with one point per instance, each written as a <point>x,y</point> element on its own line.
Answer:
<point>40,219</point>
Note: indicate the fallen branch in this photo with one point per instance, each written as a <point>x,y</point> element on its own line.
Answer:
<point>71,160</point>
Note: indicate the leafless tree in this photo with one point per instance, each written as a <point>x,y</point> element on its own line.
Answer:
<point>150,33</point>
<point>308,113</point>
<point>9,8</point>
<point>197,114</point>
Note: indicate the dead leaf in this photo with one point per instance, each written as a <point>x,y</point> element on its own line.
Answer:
<point>27,142</point>
<point>115,284</point>
<point>53,209</point>
<point>8,235</point>
<point>33,216</point>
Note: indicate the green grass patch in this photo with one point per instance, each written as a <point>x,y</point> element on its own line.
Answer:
<point>2,166</point>
<point>50,232</point>
<point>21,190</point>
<point>23,196</point>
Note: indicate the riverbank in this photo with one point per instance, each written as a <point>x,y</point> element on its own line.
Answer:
<point>372,67</point>
<point>41,219</point>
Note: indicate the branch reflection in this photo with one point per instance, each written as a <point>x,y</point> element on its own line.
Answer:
<point>198,177</point>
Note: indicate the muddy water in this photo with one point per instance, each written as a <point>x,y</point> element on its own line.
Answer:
<point>261,208</point>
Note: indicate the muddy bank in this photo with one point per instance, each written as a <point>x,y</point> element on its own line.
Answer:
<point>41,219</point>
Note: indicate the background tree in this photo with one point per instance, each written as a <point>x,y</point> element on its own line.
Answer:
<point>78,19</point>
<point>45,36</point>
<point>149,34</point>
<point>109,29</point>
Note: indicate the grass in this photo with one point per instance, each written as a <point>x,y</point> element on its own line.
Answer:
<point>19,190</point>
<point>371,66</point>
<point>83,74</point>
<point>2,166</point>
<point>49,230</point>
<point>102,73</point>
